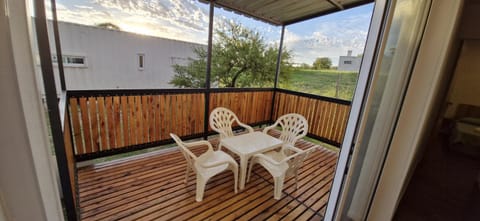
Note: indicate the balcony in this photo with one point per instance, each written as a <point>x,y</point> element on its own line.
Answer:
<point>150,186</point>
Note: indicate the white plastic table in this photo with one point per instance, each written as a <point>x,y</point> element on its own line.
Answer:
<point>246,145</point>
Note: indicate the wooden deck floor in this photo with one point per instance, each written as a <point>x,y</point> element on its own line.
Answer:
<point>152,188</point>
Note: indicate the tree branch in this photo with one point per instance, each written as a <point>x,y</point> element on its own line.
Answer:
<point>235,77</point>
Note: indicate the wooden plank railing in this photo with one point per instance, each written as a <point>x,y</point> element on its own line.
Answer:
<point>251,107</point>
<point>114,121</point>
<point>109,122</point>
<point>103,122</point>
<point>327,117</point>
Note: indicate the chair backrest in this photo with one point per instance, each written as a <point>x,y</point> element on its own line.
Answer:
<point>189,156</point>
<point>296,161</point>
<point>294,127</point>
<point>221,120</point>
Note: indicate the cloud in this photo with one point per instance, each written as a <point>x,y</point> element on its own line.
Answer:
<point>187,20</point>
<point>176,19</point>
<point>329,38</point>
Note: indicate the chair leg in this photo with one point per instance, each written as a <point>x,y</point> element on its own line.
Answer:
<point>277,192</point>
<point>234,169</point>
<point>252,162</point>
<point>200,188</point>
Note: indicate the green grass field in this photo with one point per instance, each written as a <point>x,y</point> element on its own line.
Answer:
<point>323,82</point>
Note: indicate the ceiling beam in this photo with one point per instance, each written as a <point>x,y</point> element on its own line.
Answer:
<point>338,5</point>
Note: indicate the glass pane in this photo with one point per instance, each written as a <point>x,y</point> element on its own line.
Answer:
<point>109,35</point>
<point>244,52</point>
<point>326,52</point>
<point>384,101</point>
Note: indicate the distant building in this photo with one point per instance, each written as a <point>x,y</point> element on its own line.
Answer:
<point>97,58</point>
<point>349,62</point>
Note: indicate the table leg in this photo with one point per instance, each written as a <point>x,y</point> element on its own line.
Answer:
<point>243,171</point>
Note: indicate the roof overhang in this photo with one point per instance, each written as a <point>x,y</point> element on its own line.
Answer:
<point>286,12</point>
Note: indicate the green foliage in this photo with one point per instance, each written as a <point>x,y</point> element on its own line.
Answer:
<point>305,66</point>
<point>240,58</point>
<point>322,63</point>
<point>193,74</point>
<point>323,82</point>
<point>108,25</point>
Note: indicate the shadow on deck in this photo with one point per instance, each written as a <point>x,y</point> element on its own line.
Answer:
<point>152,188</point>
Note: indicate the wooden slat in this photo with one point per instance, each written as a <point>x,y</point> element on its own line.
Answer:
<point>103,124</point>
<point>92,110</point>
<point>125,124</point>
<point>86,125</point>
<point>184,108</point>
<point>117,120</point>
<point>145,118</point>
<point>172,114</point>
<point>151,118</point>
<point>132,121</point>
<point>201,114</point>
<point>164,123</point>
<point>77,133</point>
<point>158,125</point>
<point>111,123</point>
<point>139,122</point>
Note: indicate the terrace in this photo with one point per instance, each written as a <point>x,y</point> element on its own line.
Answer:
<point>149,187</point>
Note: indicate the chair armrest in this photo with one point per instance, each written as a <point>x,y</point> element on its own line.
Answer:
<point>266,129</point>
<point>270,160</point>
<point>250,129</point>
<point>292,148</point>
<point>307,151</point>
<point>217,163</point>
<point>199,143</point>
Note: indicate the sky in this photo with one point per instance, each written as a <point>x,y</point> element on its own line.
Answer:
<point>187,20</point>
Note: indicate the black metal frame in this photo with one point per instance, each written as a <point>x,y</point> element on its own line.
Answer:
<point>113,92</point>
<point>58,47</point>
<point>314,96</point>
<point>277,70</point>
<point>209,67</point>
<point>52,105</point>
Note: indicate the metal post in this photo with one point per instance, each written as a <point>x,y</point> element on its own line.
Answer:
<point>277,71</point>
<point>58,47</point>
<point>52,105</point>
<point>209,70</point>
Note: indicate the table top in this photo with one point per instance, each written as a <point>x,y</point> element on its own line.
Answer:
<point>251,143</point>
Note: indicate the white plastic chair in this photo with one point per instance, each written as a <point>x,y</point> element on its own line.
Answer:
<point>281,166</point>
<point>281,163</point>
<point>206,165</point>
<point>222,119</point>
<point>294,127</point>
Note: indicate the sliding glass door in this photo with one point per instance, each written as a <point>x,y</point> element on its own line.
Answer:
<point>385,74</point>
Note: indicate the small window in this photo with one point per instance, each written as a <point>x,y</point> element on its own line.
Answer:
<point>141,61</point>
<point>347,62</point>
<point>71,60</point>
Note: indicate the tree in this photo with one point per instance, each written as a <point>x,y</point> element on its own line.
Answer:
<point>305,66</point>
<point>108,25</point>
<point>240,58</point>
<point>322,63</point>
